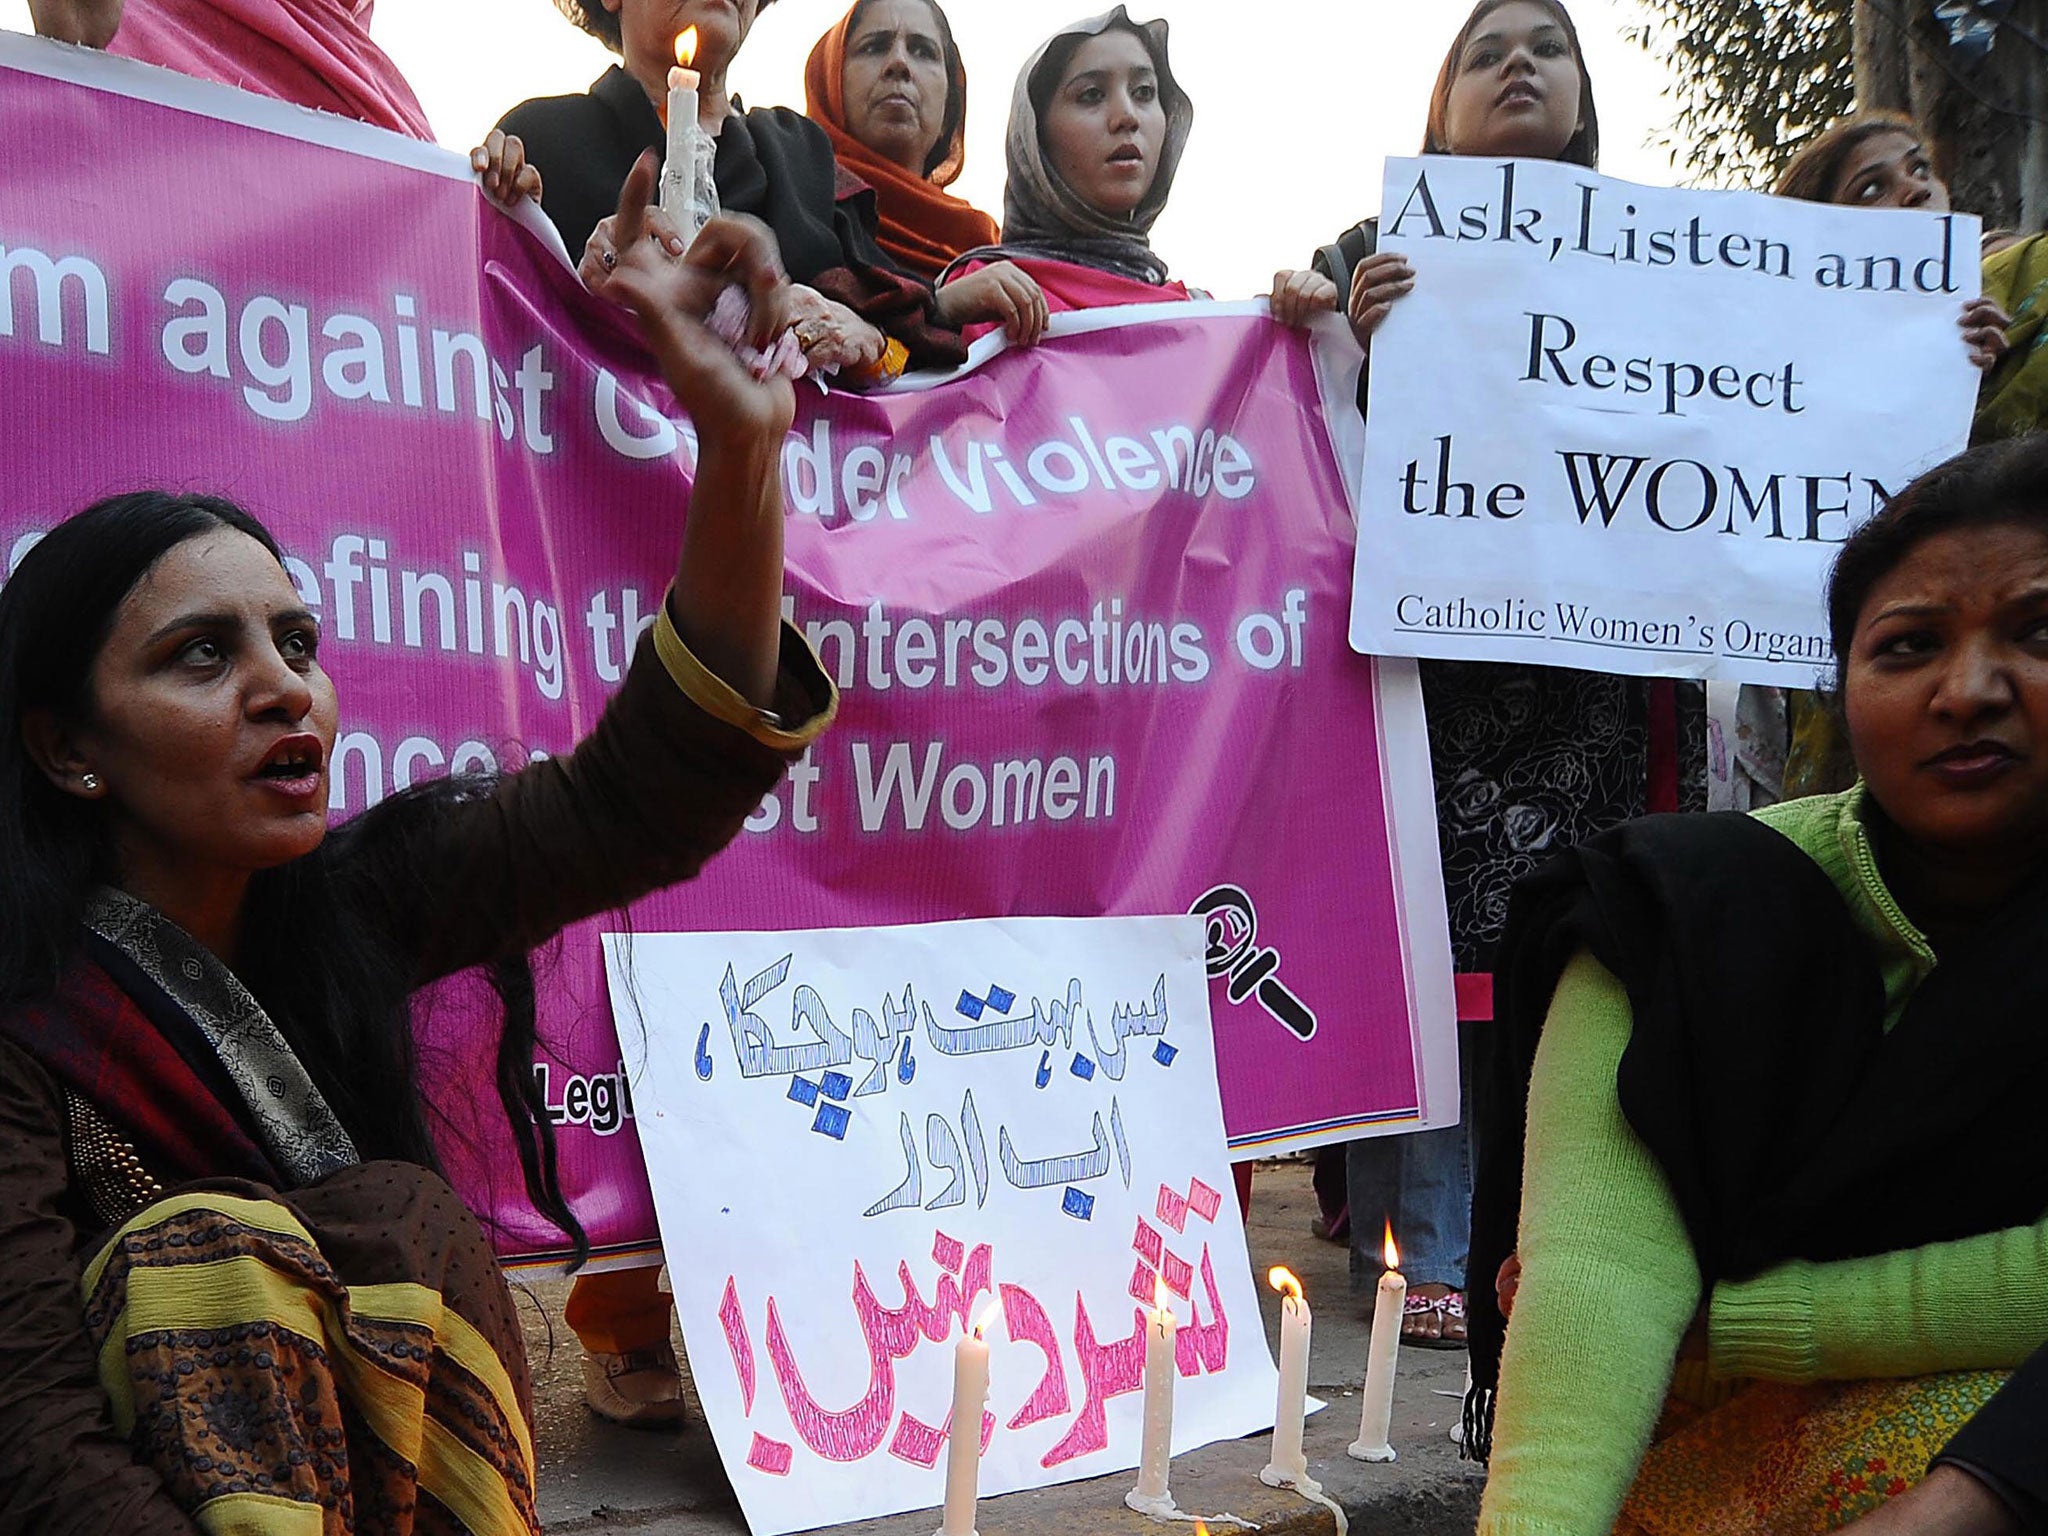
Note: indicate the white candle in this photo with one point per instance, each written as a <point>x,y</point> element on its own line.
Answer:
<point>1376,1413</point>
<point>679,170</point>
<point>1288,1463</point>
<point>1162,1330</point>
<point>963,1437</point>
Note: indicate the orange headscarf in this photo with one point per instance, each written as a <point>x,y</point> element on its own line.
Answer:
<point>922,225</point>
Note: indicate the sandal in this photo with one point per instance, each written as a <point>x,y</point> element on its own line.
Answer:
<point>1416,1311</point>
<point>1448,1311</point>
<point>1454,1334</point>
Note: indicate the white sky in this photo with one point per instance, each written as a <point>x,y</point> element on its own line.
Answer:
<point>1293,112</point>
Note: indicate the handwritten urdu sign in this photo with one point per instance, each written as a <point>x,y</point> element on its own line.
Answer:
<point>860,1140</point>
<point>1625,428</point>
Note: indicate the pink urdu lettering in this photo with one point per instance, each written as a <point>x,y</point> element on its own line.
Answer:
<point>891,1334</point>
<point>1111,1370</point>
<point>1026,1322</point>
<point>734,1319</point>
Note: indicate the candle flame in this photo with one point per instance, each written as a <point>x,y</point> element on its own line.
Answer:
<point>686,47</point>
<point>1282,1280</point>
<point>1162,1302</point>
<point>1390,1252</point>
<point>986,1316</point>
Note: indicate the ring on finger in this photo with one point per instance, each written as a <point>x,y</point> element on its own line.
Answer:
<point>609,260</point>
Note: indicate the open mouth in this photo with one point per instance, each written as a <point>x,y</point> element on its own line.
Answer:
<point>1518,95</point>
<point>1130,154</point>
<point>295,760</point>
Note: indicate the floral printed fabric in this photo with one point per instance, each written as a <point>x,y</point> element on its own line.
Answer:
<point>1794,1460</point>
<point>1528,762</point>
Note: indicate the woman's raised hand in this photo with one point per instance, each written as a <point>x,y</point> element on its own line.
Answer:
<point>1002,292</point>
<point>1298,297</point>
<point>500,161</point>
<point>636,258</point>
<point>90,22</point>
<point>1376,283</point>
<point>1984,328</point>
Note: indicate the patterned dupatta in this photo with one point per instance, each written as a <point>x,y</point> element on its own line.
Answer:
<point>161,1039</point>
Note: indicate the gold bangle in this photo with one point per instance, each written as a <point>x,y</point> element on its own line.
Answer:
<point>720,700</point>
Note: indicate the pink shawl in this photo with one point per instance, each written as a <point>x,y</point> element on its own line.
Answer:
<point>317,53</point>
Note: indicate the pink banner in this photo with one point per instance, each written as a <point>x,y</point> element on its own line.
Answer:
<point>1086,603</point>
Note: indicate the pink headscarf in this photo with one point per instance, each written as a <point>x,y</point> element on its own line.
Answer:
<point>317,53</point>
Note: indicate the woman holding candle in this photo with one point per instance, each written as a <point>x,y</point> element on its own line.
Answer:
<point>888,85</point>
<point>854,309</point>
<point>1526,759</point>
<point>237,1295</point>
<point>1097,129</point>
<point>1761,1118</point>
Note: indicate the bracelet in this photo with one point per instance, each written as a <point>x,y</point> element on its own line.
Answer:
<point>718,699</point>
<point>886,369</point>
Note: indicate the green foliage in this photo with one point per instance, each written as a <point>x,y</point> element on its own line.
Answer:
<point>1754,80</point>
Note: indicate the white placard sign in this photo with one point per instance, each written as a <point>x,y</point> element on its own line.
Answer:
<point>1625,428</point>
<point>864,1141</point>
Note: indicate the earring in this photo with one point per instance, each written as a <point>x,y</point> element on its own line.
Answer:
<point>91,783</point>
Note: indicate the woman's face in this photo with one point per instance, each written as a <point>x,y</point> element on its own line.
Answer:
<point>1946,688</point>
<point>212,724</point>
<point>896,85</point>
<point>1890,170</point>
<point>648,30</point>
<point>1105,127</point>
<point>1516,87</point>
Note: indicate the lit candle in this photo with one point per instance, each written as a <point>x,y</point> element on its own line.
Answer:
<point>1289,1465</point>
<point>679,194</point>
<point>1162,1329</point>
<point>1376,1413</point>
<point>963,1437</point>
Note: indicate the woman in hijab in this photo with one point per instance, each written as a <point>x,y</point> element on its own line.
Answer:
<point>1097,130</point>
<point>854,308</point>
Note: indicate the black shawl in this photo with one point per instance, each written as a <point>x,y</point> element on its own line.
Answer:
<point>773,164</point>
<point>1789,1123</point>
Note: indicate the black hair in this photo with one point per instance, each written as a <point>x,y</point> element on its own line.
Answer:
<point>2004,483</point>
<point>333,980</point>
<point>956,72</point>
<point>1584,146</point>
<point>1810,176</point>
<point>604,25</point>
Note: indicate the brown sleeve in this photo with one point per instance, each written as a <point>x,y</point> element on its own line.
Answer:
<point>63,1470</point>
<point>674,766</point>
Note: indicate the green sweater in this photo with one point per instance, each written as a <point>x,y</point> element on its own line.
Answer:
<point>1609,1284</point>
